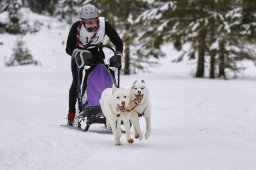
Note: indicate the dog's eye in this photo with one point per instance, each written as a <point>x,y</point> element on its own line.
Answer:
<point>135,88</point>
<point>142,88</point>
<point>118,97</point>
<point>124,96</point>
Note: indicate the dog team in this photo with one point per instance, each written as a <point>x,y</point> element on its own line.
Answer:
<point>119,106</point>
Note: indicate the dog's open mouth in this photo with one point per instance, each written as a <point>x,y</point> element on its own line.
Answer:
<point>121,108</point>
<point>138,98</point>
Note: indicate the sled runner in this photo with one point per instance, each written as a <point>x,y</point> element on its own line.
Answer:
<point>99,77</point>
<point>100,129</point>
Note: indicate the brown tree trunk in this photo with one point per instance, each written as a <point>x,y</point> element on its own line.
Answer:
<point>212,65</point>
<point>212,52</point>
<point>127,59</point>
<point>201,51</point>
<point>222,60</point>
<point>127,38</point>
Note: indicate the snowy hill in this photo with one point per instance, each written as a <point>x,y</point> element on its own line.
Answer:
<point>197,124</point>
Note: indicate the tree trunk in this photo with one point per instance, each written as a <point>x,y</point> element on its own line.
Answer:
<point>127,39</point>
<point>222,60</point>
<point>212,65</point>
<point>212,52</point>
<point>127,59</point>
<point>201,51</point>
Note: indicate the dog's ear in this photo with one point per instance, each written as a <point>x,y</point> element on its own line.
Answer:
<point>134,83</point>
<point>113,88</point>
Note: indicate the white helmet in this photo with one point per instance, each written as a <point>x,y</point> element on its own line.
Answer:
<point>88,11</point>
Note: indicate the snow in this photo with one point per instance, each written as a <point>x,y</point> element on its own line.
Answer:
<point>3,17</point>
<point>197,124</point>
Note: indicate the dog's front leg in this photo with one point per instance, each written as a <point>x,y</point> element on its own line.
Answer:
<point>115,133</point>
<point>136,125</point>
<point>126,122</point>
<point>118,128</point>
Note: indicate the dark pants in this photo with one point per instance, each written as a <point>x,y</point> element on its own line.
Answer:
<point>73,88</point>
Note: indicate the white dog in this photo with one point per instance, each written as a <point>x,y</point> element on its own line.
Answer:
<point>140,106</point>
<point>114,103</point>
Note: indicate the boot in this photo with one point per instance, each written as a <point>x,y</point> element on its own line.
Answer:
<point>71,117</point>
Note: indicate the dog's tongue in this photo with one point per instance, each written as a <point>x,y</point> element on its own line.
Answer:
<point>138,98</point>
<point>120,108</point>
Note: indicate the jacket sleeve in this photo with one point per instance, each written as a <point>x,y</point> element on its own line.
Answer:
<point>71,41</point>
<point>113,36</point>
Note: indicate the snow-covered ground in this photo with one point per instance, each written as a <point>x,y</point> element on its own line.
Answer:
<point>197,124</point>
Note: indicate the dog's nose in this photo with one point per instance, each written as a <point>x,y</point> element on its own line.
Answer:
<point>123,103</point>
<point>139,91</point>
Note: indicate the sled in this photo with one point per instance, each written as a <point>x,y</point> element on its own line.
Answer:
<point>100,77</point>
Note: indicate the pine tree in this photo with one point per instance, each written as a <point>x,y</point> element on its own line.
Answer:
<point>13,8</point>
<point>157,27</point>
<point>213,28</point>
<point>233,46</point>
<point>21,55</point>
<point>43,6</point>
<point>68,10</point>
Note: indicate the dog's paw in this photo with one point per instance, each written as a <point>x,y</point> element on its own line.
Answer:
<point>136,136</point>
<point>118,144</point>
<point>130,141</point>
<point>140,137</point>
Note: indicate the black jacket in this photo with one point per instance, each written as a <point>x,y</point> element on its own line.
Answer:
<point>109,31</point>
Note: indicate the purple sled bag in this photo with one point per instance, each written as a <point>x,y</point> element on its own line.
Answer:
<point>98,80</point>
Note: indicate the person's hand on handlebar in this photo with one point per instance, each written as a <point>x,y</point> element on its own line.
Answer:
<point>116,60</point>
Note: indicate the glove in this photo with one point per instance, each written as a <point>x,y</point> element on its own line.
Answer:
<point>82,57</point>
<point>116,60</point>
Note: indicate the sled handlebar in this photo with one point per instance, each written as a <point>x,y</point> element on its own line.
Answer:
<point>114,51</point>
<point>103,46</point>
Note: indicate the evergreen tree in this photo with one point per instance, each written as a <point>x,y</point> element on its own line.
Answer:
<point>43,6</point>
<point>3,8</point>
<point>13,8</point>
<point>68,10</point>
<point>157,27</point>
<point>21,55</point>
<point>213,28</point>
<point>233,37</point>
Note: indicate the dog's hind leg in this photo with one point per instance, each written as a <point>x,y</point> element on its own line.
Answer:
<point>118,129</point>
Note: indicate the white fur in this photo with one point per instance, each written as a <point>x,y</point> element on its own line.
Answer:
<point>140,105</point>
<point>110,101</point>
